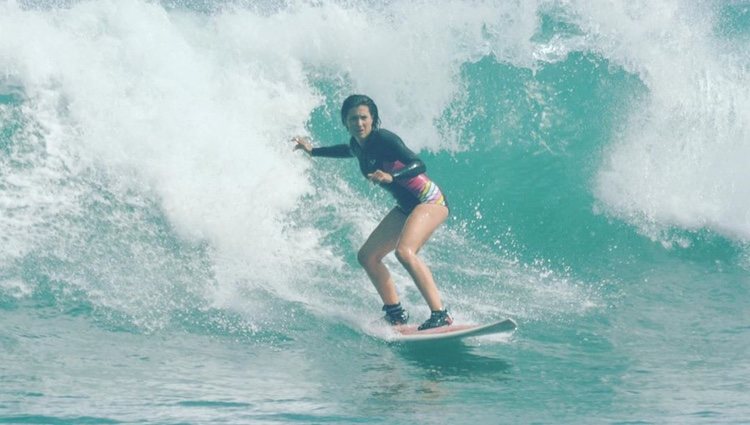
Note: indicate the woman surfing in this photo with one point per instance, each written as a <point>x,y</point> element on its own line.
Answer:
<point>421,207</point>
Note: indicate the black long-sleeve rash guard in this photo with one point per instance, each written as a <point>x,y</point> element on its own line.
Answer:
<point>382,150</point>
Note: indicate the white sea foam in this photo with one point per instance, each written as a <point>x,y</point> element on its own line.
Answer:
<point>682,160</point>
<point>195,110</point>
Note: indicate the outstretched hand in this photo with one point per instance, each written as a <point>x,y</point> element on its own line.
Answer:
<point>380,176</point>
<point>302,143</point>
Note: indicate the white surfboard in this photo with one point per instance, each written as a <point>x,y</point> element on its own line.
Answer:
<point>409,333</point>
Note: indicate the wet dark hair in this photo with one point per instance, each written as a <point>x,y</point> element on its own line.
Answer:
<point>356,100</point>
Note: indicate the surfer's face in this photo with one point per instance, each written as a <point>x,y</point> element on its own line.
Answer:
<point>359,122</point>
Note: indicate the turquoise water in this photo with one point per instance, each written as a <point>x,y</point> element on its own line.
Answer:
<point>166,258</point>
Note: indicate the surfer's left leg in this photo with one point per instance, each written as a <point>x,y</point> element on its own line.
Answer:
<point>419,226</point>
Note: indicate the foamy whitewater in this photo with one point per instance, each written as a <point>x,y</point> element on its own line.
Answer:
<point>165,257</point>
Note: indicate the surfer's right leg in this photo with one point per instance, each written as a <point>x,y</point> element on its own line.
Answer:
<point>381,242</point>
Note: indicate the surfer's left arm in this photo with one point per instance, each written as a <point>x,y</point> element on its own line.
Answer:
<point>413,166</point>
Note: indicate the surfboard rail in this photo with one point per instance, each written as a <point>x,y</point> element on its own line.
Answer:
<point>409,333</point>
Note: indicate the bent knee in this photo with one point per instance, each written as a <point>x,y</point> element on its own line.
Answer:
<point>367,258</point>
<point>406,254</point>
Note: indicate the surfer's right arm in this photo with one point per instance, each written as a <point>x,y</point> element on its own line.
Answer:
<point>335,151</point>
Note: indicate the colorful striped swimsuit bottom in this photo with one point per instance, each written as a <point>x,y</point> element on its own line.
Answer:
<point>424,189</point>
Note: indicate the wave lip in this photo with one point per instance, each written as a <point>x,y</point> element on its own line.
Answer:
<point>680,161</point>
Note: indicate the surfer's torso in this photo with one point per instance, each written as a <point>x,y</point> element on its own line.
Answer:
<point>384,150</point>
